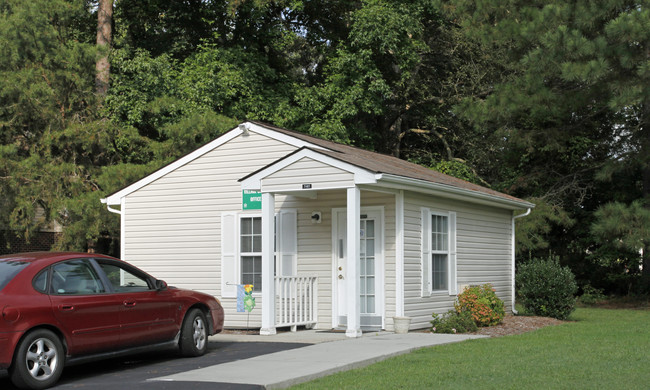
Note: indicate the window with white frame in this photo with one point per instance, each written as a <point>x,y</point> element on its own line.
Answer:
<point>241,249</point>
<point>250,247</point>
<point>438,252</point>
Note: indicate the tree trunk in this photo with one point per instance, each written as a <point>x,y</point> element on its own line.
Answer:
<point>394,137</point>
<point>104,39</point>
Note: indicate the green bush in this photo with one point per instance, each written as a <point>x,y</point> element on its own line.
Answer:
<point>546,288</point>
<point>482,303</point>
<point>591,295</point>
<point>453,322</point>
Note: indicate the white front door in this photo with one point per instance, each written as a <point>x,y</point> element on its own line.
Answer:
<point>370,268</point>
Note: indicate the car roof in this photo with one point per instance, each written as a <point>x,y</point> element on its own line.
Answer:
<point>46,257</point>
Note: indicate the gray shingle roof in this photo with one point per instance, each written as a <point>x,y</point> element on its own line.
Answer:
<point>381,163</point>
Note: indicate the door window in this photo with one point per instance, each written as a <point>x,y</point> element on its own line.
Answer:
<point>367,267</point>
<point>75,277</point>
<point>122,280</point>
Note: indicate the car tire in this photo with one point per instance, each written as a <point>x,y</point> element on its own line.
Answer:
<point>194,334</point>
<point>38,361</point>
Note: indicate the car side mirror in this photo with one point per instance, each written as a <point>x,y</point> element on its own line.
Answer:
<point>160,285</point>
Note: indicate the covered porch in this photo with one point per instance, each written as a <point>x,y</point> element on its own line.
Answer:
<point>357,296</point>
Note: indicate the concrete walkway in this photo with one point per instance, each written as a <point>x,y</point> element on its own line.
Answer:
<point>333,352</point>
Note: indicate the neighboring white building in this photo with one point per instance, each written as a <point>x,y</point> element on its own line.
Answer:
<point>269,206</point>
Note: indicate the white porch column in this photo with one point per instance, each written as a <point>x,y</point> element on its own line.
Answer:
<point>353,267</point>
<point>268,279</point>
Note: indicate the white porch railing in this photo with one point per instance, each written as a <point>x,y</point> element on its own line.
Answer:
<point>295,301</point>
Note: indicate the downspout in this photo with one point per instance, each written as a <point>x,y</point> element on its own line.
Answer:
<point>514,311</point>
<point>108,207</point>
<point>121,214</point>
<point>116,211</point>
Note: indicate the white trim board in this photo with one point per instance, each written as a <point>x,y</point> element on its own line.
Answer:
<point>361,176</point>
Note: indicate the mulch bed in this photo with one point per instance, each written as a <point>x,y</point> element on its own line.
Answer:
<point>517,325</point>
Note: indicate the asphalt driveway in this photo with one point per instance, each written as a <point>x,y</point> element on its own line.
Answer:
<point>132,372</point>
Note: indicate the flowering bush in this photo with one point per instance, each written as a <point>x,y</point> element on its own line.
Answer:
<point>453,322</point>
<point>482,303</point>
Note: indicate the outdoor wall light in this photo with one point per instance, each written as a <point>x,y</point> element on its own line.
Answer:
<point>244,130</point>
<point>316,217</point>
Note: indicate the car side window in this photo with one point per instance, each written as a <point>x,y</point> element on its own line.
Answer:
<point>124,280</point>
<point>75,277</point>
<point>40,281</point>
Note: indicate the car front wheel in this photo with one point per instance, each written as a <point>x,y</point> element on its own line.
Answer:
<point>194,334</point>
<point>38,362</point>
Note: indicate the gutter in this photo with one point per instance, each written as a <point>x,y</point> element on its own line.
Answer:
<point>405,183</point>
<point>514,311</point>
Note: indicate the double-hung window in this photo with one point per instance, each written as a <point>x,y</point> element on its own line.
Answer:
<point>251,251</point>
<point>241,249</point>
<point>438,252</point>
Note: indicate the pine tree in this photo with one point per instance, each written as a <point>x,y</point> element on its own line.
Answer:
<point>577,106</point>
<point>51,145</point>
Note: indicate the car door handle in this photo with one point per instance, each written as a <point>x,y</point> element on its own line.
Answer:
<point>129,303</point>
<point>66,307</point>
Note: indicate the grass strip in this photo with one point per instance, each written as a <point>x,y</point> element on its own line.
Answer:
<point>599,348</point>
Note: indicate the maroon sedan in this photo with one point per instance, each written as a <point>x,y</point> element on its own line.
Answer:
<point>61,308</point>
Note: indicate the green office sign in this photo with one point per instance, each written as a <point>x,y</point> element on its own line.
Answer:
<point>251,200</point>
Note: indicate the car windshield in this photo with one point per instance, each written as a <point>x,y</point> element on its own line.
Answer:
<point>9,269</point>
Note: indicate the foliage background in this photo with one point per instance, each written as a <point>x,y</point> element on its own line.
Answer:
<point>547,101</point>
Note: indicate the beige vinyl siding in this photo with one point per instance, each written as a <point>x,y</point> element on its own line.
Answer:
<point>484,253</point>
<point>307,171</point>
<point>172,225</point>
<point>172,229</point>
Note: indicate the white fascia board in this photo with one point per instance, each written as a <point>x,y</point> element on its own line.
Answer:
<point>361,176</point>
<point>447,191</point>
<point>114,199</point>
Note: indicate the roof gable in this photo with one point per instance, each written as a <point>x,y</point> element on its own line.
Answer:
<point>366,165</point>
<point>114,198</point>
<point>361,175</point>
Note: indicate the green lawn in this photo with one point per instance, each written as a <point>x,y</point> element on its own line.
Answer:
<point>599,349</point>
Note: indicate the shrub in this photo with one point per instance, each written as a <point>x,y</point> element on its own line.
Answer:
<point>591,295</point>
<point>482,303</point>
<point>453,322</point>
<point>546,288</point>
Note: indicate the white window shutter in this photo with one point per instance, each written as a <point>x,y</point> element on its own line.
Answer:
<point>288,241</point>
<point>453,279</point>
<point>229,237</point>
<point>426,251</point>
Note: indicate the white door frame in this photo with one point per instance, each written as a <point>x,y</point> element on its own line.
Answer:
<point>338,213</point>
